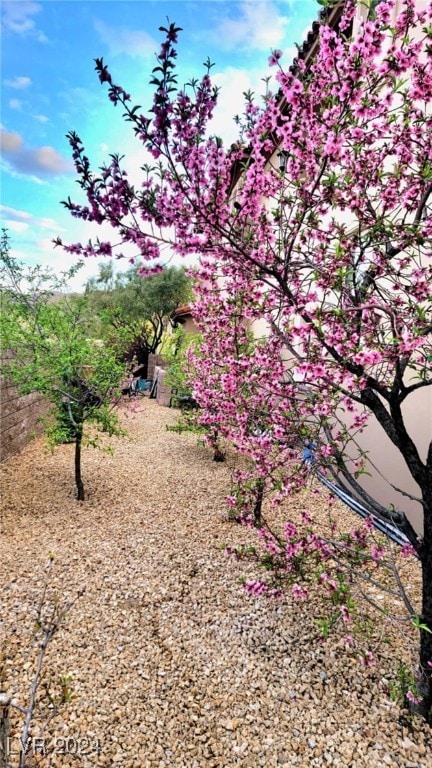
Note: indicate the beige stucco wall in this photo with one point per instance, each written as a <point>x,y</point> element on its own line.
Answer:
<point>190,326</point>
<point>362,12</point>
<point>384,462</point>
<point>387,469</point>
<point>391,470</point>
<point>386,465</point>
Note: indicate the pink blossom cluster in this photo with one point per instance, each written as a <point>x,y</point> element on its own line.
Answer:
<point>313,284</point>
<point>259,588</point>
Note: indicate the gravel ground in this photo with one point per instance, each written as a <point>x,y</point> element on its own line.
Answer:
<point>172,664</point>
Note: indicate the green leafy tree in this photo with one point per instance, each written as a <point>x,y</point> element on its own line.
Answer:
<point>176,352</point>
<point>46,349</point>
<point>105,280</point>
<point>134,311</point>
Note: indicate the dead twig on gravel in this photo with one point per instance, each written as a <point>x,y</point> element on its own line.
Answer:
<point>50,614</point>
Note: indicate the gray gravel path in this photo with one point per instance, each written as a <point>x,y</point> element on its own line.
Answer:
<point>172,664</point>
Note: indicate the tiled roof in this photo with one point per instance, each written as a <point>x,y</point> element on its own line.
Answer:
<point>330,16</point>
<point>181,311</point>
<point>306,52</point>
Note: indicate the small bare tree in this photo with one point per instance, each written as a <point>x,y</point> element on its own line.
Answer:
<point>50,615</point>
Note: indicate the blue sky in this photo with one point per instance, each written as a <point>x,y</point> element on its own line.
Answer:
<point>49,87</point>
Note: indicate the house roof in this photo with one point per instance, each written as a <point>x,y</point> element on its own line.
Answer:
<point>180,311</point>
<point>330,16</point>
<point>181,314</point>
<point>306,52</point>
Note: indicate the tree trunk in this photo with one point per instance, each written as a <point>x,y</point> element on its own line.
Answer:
<point>142,356</point>
<point>4,730</point>
<point>425,672</point>
<point>78,479</point>
<point>259,498</point>
<point>218,454</point>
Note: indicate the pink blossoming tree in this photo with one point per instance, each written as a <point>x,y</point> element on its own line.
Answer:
<point>331,251</point>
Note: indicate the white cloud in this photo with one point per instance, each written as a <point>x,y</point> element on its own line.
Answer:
<point>233,83</point>
<point>45,222</point>
<point>125,40</point>
<point>17,18</point>
<point>7,168</point>
<point>44,254</point>
<point>18,82</point>
<point>20,220</point>
<point>41,118</point>
<point>260,26</point>
<point>48,160</point>
<point>32,243</point>
<point>10,141</point>
<point>289,54</point>
<point>59,260</point>
<point>41,160</point>
<point>15,226</point>
<point>15,104</point>
<point>15,214</point>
